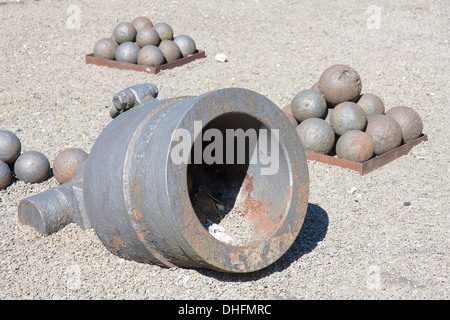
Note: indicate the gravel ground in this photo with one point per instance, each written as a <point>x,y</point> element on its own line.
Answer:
<point>379,236</point>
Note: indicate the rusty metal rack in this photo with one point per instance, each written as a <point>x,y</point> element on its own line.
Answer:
<point>371,164</point>
<point>90,59</point>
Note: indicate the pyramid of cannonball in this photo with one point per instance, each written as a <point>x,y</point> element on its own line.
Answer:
<point>144,43</point>
<point>362,125</point>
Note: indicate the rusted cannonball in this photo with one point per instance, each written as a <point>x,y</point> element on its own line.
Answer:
<point>10,146</point>
<point>316,135</point>
<point>186,44</point>
<point>409,120</point>
<point>141,22</point>
<point>340,83</point>
<point>287,111</point>
<point>347,116</point>
<point>147,36</point>
<point>124,32</point>
<point>151,56</point>
<point>105,49</point>
<point>127,52</point>
<point>32,167</point>
<point>371,104</point>
<point>355,145</point>
<point>164,30</point>
<point>67,163</point>
<point>170,50</point>
<point>385,132</point>
<point>308,104</point>
<point>5,175</point>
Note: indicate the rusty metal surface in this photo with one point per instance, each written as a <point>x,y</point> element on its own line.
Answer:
<point>148,208</point>
<point>90,59</point>
<point>371,164</point>
<point>170,50</point>
<point>340,83</point>
<point>10,147</point>
<point>409,121</point>
<point>308,104</point>
<point>385,132</point>
<point>5,175</point>
<point>347,116</point>
<point>161,226</point>
<point>67,162</point>
<point>355,145</point>
<point>316,135</point>
<point>32,167</point>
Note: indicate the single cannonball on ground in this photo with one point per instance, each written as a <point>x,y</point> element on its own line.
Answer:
<point>141,22</point>
<point>371,104</point>
<point>147,36</point>
<point>32,167</point>
<point>347,116</point>
<point>340,83</point>
<point>67,163</point>
<point>164,30</point>
<point>287,111</point>
<point>5,175</point>
<point>127,52</point>
<point>124,32</point>
<point>385,132</point>
<point>316,135</point>
<point>105,49</point>
<point>170,50</point>
<point>186,44</point>
<point>151,56</point>
<point>355,145</point>
<point>9,146</point>
<point>308,104</point>
<point>409,120</point>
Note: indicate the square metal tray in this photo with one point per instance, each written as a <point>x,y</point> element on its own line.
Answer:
<point>371,164</point>
<point>90,59</point>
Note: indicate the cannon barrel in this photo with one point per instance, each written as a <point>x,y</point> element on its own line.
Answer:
<point>158,173</point>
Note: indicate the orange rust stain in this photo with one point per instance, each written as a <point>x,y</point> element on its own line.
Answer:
<point>139,235</point>
<point>117,242</point>
<point>162,259</point>
<point>137,214</point>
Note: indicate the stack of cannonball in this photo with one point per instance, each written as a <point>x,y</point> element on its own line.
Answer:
<point>333,116</point>
<point>144,43</point>
<point>33,166</point>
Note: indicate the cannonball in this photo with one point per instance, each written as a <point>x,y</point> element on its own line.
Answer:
<point>5,175</point>
<point>409,120</point>
<point>67,163</point>
<point>186,44</point>
<point>124,32</point>
<point>371,104</point>
<point>141,22</point>
<point>164,30</point>
<point>347,116</point>
<point>151,56</point>
<point>385,132</point>
<point>147,36</point>
<point>127,52</point>
<point>32,167</point>
<point>170,50</point>
<point>105,49</point>
<point>340,83</point>
<point>316,135</point>
<point>9,146</point>
<point>354,145</point>
<point>308,104</point>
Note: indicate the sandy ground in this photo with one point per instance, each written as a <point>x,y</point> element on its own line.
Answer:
<point>359,239</point>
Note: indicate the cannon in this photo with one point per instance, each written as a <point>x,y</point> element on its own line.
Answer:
<point>161,172</point>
